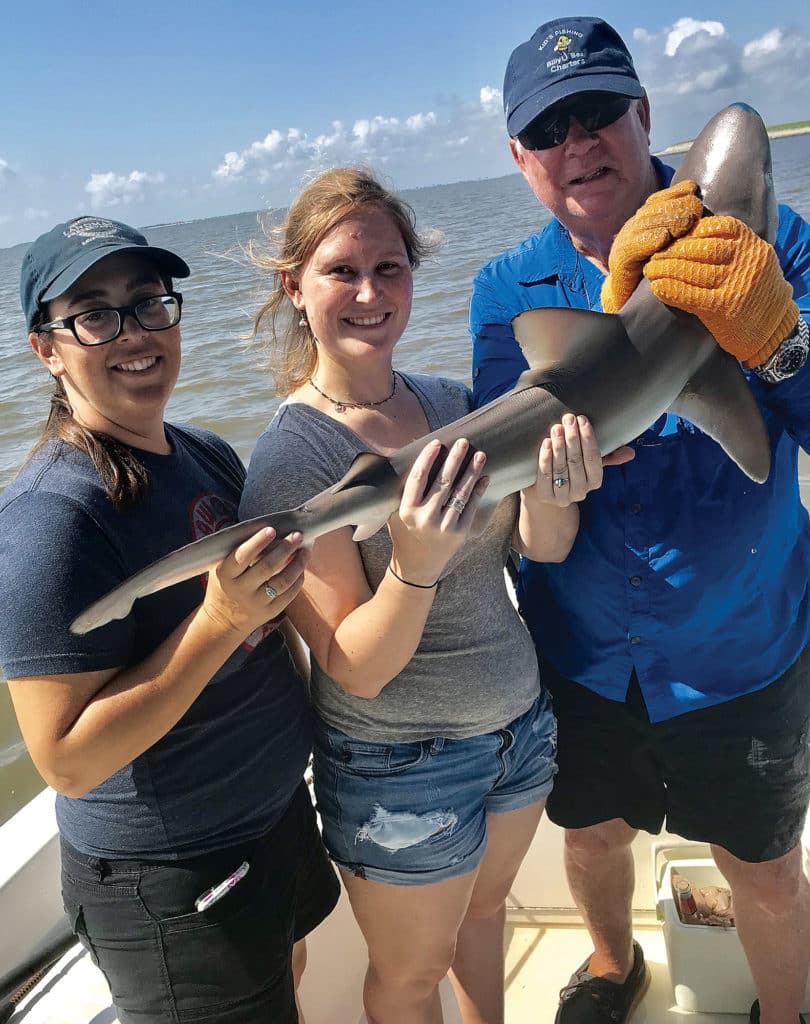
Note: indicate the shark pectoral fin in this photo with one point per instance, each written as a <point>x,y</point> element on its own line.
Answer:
<point>546,336</point>
<point>366,530</point>
<point>719,400</point>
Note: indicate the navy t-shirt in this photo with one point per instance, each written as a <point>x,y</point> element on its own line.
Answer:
<point>227,770</point>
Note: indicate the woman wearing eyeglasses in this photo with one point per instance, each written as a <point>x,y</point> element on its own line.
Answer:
<point>176,738</point>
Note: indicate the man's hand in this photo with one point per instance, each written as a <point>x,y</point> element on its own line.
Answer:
<point>667,215</point>
<point>730,278</point>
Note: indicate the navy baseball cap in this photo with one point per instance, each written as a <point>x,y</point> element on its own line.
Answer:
<point>562,58</point>
<point>57,259</point>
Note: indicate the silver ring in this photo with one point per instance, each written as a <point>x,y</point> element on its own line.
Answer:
<point>457,504</point>
<point>270,591</point>
<point>560,481</point>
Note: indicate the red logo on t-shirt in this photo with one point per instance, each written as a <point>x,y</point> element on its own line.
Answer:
<point>210,513</point>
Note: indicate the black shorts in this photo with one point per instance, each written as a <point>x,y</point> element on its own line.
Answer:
<point>166,963</point>
<point>736,774</point>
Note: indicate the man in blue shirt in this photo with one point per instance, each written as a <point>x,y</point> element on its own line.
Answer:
<point>674,636</point>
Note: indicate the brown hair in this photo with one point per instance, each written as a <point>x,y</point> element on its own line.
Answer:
<point>334,195</point>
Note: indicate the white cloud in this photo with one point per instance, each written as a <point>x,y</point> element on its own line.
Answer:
<point>712,67</point>
<point>684,28</point>
<point>376,138</point>
<point>457,131</point>
<point>7,175</point>
<point>111,189</point>
<point>778,56</point>
<point>35,213</point>
<point>491,100</point>
<point>771,42</point>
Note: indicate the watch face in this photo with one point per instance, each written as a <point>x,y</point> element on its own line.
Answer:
<point>791,359</point>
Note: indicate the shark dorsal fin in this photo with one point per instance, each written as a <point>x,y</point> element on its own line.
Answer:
<point>375,472</point>
<point>719,400</point>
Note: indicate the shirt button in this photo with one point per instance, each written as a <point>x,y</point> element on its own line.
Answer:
<point>636,508</point>
<point>635,639</point>
<point>635,581</point>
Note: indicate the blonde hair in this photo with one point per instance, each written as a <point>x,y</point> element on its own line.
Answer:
<point>332,196</point>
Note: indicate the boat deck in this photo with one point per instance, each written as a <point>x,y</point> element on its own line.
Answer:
<point>539,959</point>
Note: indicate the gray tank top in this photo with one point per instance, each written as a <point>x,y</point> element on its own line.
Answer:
<point>475,669</point>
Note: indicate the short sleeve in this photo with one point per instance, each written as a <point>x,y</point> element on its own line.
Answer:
<point>285,470</point>
<point>54,561</point>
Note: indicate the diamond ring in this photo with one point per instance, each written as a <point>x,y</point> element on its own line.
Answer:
<point>270,591</point>
<point>560,481</point>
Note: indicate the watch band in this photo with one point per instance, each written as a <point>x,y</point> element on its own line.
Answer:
<point>789,358</point>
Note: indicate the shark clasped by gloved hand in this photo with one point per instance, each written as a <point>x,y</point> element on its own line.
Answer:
<point>717,269</point>
<point>665,216</point>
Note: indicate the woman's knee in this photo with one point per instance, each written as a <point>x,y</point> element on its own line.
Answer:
<point>417,974</point>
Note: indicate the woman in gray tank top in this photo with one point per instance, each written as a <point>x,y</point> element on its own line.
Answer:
<point>435,740</point>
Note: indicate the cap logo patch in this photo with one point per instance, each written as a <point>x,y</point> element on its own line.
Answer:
<point>91,228</point>
<point>563,58</point>
<point>562,44</point>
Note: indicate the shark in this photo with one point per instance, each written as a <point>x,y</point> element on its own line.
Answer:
<point>622,371</point>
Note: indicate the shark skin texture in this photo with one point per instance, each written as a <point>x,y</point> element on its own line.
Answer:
<point>622,371</point>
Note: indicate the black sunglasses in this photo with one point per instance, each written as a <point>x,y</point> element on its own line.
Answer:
<point>593,110</point>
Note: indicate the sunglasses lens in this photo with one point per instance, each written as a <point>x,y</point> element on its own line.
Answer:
<point>594,116</point>
<point>593,111</point>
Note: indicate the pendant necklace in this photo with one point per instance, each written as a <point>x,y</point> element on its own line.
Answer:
<point>341,407</point>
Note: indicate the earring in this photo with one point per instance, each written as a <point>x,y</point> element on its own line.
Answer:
<point>303,322</point>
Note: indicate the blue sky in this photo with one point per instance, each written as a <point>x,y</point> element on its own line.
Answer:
<point>151,112</point>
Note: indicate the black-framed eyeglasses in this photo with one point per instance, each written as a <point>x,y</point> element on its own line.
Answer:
<point>593,110</point>
<point>100,326</point>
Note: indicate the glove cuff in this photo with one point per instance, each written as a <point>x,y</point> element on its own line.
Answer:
<point>785,327</point>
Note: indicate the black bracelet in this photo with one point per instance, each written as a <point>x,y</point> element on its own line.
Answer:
<point>419,586</point>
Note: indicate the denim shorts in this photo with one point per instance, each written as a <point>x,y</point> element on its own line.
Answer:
<point>167,963</point>
<point>415,813</point>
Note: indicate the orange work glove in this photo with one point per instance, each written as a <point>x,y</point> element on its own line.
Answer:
<point>730,278</point>
<point>666,215</point>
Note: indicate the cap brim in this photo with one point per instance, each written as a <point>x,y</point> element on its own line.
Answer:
<point>166,261</point>
<point>535,105</point>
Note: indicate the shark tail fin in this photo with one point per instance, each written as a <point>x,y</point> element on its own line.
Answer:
<point>719,400</point>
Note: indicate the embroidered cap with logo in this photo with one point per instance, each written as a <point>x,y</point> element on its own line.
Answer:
<point>57,259</point>
<point>562,58</point>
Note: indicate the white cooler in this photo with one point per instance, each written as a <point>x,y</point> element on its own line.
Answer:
<point>706,962</point>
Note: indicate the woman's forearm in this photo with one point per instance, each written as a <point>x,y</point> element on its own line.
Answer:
<point>376,640</point>
<point>129,711</point>
<point>545,532</point>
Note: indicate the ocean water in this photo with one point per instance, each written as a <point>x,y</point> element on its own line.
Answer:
<point>224,384</point>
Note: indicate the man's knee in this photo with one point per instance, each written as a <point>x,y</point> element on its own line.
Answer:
<point>774,887</point>
<point>600,840</point>
<point>299,960</point>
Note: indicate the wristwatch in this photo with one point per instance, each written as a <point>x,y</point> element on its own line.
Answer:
<point>789,358</point>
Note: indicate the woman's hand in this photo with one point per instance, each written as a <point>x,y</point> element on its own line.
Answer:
<point>570,463</point>
<point>434,521</point>
<point>256,582</point>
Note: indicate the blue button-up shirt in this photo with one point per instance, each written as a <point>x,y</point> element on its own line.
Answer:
<point>683,568</point>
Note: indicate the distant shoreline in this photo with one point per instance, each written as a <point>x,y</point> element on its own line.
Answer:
<point>775,133</point>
